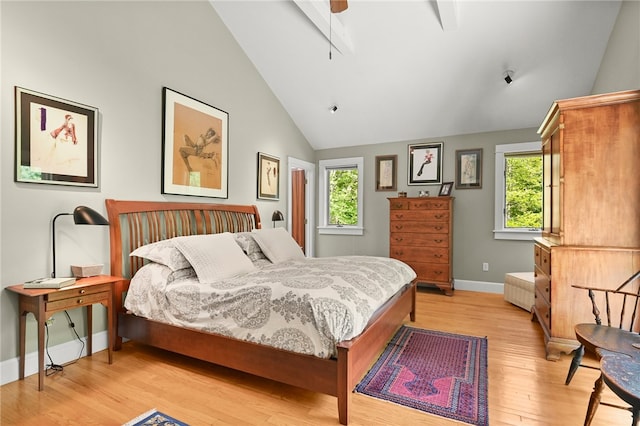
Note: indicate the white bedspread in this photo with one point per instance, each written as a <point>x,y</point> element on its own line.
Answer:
<point>304,306</point>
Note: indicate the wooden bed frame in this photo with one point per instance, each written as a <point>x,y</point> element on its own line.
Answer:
<point>135,223</point>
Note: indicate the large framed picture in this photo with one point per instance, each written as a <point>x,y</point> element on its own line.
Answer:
<point>425,163</point>
<point>56,140</point>
<point>386,171</point>
<point>268,177</point>
<point>195,146</point>
<point>469,168</point>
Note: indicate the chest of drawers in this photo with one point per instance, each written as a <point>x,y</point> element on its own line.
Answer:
<point>421,235</point>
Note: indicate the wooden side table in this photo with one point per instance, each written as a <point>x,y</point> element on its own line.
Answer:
<point>43,303</point>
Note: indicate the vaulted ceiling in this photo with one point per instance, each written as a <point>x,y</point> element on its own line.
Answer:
<point>419,69</point>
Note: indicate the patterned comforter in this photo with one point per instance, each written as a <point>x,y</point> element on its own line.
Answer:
<point>303,305</point>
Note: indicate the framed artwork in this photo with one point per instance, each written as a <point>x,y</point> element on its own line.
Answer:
<point>268,177</point>
<point>469,168</point>
<point>425,163</point>
<point>386,166</point>
<point>56,140</point>
<point>445,189</point>
<point>195,147</point>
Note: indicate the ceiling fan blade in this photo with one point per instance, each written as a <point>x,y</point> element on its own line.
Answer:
<point>338,6</point>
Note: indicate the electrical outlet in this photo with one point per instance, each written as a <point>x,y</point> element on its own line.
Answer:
<point>485,266</point>
<point>50,321</point>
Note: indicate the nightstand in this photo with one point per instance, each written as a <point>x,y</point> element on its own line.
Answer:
<point>43,303</point>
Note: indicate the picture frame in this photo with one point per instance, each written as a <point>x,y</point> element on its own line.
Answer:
<point>386,172</point>
<point>56,140</point>
<point>195,147</point>
<point>425,163</point>
<point>445,189</point>
<point>268,177</point>
<point>469,168</point>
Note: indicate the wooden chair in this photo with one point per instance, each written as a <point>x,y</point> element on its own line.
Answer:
<point>620,337</point>
<point>621,373</point>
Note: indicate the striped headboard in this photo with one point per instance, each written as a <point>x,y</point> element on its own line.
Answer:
<point>136,223</point>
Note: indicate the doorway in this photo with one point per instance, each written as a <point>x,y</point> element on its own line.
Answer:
<point>301,205</point>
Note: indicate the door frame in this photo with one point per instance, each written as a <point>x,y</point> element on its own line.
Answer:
<point>309,202</point>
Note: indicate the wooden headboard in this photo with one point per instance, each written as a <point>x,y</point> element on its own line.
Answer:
<point>136,223</point>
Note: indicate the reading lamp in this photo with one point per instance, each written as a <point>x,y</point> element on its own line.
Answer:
<point>277,216</point>
<point>81,216</point>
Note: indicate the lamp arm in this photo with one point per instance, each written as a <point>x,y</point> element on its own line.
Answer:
<point>53,240</point>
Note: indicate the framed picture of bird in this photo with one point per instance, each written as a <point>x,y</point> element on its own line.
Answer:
<point>425,163</point>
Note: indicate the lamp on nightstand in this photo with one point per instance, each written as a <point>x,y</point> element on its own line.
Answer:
<point>81,216</point>
<point>277,216</point>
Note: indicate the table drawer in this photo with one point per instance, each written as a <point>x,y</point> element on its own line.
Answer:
<point>76,300</point>
<point>73,291</point>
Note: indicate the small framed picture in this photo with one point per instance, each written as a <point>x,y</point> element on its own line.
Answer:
<point>425,163</point>
<point>445,189</point>
<point>469,168</point>
<point>195,146</point>
<point>56,140</point>
<point>268,177</point>
<point>386,166</point>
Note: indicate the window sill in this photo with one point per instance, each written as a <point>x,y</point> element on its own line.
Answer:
<point>342,230</point>
<point>508,234</point>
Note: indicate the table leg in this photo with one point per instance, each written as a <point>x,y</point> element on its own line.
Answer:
<point>89,330</point>
<point>22,338</point>
<point>41,324</point>
<point>110,328</point>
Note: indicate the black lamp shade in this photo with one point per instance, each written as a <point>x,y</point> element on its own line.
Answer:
<point>277,216</point>
<point>87,216</point>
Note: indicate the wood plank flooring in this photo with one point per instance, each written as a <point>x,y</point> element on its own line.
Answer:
<point>524,388</point>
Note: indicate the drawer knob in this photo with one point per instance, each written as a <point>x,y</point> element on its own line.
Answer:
<point>439,216</point>
<point>438,256</point>
<point>82,291</point>
<point>437,241</point>
<point>399,216</point>
<point>79,301</point>
<point>438,228</point>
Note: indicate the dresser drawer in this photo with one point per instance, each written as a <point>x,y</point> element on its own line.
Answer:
<point>542,259</point>
<point>419,227</point>
<point>428,204</point>
<point>543,284</point>
<point>543,310</point>
<point>431,271</point>
<point>424,254</point>
<point>76,301</point>
<point>399,204</point>
<point>409,239</point>
<point>428,216</point>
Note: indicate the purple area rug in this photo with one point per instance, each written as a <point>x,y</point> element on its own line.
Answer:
<point>439,373</point>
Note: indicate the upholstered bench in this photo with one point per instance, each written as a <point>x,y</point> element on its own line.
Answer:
<point>519,289</point>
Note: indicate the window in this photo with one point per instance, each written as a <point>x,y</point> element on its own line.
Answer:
<point>518,204</point>
<point>341,196</point>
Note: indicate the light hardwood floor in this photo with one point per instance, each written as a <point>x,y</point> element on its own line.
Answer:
<point>524,388</point>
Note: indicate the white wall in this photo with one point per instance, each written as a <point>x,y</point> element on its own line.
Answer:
<point>117,56</point>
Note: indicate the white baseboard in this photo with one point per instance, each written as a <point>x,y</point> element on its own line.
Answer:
<point>481,286</point>
<point>61,354</point>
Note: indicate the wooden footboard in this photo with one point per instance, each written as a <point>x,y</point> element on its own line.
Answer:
<point>136,223</point>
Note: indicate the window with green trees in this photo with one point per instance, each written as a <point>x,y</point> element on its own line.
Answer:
<point>523,179</point>
<point>518,195</point>
<point>343,196</point>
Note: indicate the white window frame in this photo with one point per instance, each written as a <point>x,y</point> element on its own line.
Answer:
<point>501,232</point>
<point>324,227</point>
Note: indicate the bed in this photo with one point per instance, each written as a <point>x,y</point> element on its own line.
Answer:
<point>137,223</point>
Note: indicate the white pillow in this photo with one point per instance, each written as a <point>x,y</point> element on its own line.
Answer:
<point>214,257</point>
<point>277,244</point>
<point>163,252</point>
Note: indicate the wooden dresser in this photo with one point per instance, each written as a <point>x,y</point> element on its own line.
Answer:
<point>421,235</point>
<point>591,209</point>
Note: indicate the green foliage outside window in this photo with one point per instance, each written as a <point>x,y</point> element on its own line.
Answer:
<point>343,197</point>
<point>524,191</point>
